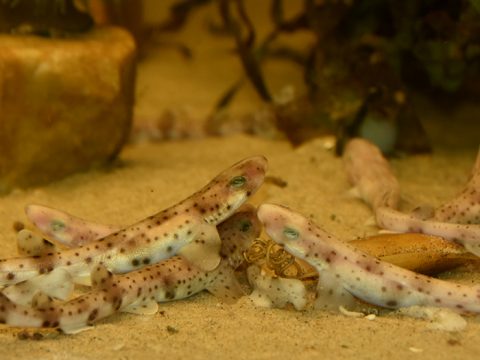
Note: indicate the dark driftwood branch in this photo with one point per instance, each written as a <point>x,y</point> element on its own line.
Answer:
<point>245,44</point>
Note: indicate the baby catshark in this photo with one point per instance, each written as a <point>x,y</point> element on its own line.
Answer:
<point>140,291</point>
<point>370,174</point>
<point>187,228</point>
<point>65,228</point>
<point>346,272</point>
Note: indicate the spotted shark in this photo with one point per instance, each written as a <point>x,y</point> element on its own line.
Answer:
<point>346,273</point>
<point>187,228</point>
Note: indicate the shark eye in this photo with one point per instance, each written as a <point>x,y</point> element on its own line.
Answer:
<point>245,226</point>
<point>291,233</point>
<point>57,225</point>
<point>238,181</point>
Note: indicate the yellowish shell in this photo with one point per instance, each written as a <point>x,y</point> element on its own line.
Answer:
<point>273,259</point>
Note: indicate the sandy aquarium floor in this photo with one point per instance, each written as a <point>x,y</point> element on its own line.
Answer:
<point>150,177</point>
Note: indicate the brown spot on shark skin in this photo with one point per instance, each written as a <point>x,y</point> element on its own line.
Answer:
<point>392,303</point>
<point>170,295</point>
<point>46,324</point>
<point>93,315</point>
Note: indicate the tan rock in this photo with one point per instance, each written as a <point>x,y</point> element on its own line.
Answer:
<point>65,104</point>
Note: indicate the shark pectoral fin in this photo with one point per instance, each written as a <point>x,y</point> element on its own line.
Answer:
<point>41,301</point>
<point>20,293</point>
<point>56,284</point>
<point>279,291</point>
<point>32,244</point>
<point>226,286</point>
<point>331,294</point>
<point>260,299</point>
<point>258,296</point>
<point>204,250</point>
<point>149,307</point>
<point>292,291</point>
<point>101,277</point>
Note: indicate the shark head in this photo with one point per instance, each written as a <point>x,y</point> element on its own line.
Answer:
<point>231,188</point>
<point>284,227</point>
